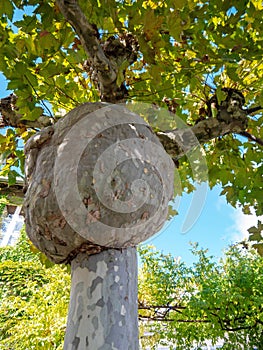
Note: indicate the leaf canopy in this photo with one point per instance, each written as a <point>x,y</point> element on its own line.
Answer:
<point>187,51</point>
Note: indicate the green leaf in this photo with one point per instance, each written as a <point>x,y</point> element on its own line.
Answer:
<point>12,175</point>
<point>255,232</point>
<point>221,95</point>
<point>27,24</point>
<point>259,248</point>
<point>6,9</point>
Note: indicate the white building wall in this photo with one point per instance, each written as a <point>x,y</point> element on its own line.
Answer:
<point>11,227</point>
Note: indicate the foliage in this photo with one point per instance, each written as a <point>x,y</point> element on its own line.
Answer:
<point>33,300</point>
<point>256,237</point>
<point>209,300</point>
<point>22,251</point>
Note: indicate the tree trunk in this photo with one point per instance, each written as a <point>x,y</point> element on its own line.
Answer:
<point>103,302</point>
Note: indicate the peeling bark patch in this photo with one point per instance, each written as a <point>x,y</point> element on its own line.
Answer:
<point>97,281</point>
<point>95,322</point>
<point>100,302</point>
<point>79,287</point>
<point>75,343</point>
<point>117,278</point>
<point>80,307</point>
<point>123,310</point>
<point>114,286</point>
<point>90,307</point>
<point>92,263</point>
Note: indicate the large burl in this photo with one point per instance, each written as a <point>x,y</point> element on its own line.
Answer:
<point>99,178</point>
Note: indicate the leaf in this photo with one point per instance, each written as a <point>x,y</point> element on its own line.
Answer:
<point>34,114</point>
<point>6,9</point>
<point>179,4</point>
<point>152,24</point>
<point>174,25</point>
<point>27,24</point>
<point>220,95</point>
<point>259,248</point>
<point>255,232</point>
<point>12,175</point>
<point>156,73</point>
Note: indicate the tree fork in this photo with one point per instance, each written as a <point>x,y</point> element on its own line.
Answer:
<point>103,302</point>
<point>107,68</point>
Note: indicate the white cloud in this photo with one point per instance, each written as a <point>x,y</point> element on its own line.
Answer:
<point>241,224</point>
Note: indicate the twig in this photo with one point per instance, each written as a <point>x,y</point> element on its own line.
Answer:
<point>251,137</point>
<point>253,110</point>
<point>146,318</point>
<point>41,101</point>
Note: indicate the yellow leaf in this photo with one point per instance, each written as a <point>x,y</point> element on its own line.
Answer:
<point>258,4</point>
<point>152,4</point>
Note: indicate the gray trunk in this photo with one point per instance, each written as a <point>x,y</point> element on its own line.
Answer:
<point>103,302</point>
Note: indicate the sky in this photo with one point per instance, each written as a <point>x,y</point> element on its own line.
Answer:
<point>218,226</point>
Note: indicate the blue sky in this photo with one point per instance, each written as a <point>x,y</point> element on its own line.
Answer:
<point>218,225</point>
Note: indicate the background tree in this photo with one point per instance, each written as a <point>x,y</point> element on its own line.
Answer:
<point>210,300</point>
<point>180,55</point>
<point>34,299</point>
<point>178,304</point>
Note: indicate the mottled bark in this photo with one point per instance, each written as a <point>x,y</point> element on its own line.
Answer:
<point>103,302</point>
<point>98,179</point>
<point>98,183</point>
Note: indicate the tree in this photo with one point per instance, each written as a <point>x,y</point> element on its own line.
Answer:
<point>199,60</point>
<point>207,301</point>
<point>34,298</point>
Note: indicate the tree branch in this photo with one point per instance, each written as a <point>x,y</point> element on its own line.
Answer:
<point>10,115</point>
<point>160,319</point>
<point>88,37</point>
<point>104,61</point>
<point>154,307</point>
<point>253,110</point>
<point>230,118</point>
<point>179,141</point>
<point>162,311</point>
